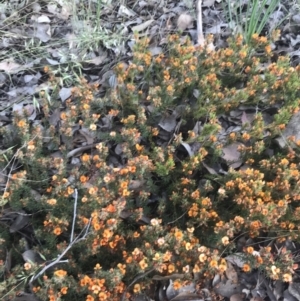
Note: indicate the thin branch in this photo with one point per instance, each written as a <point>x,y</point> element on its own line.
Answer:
<point>58,259</point>
<point>135,280</point>
<point>177,218</point>
<point>74,215</point>
<point>201,41</point>
<point>200,35</point>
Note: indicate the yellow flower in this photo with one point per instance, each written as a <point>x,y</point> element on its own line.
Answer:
<point>202,257</point>
<point>284,161</point>
<point>196,269</point>
<point>60,273</point>
<point>97,267</point>
<point>275,270</point>
<point>143,265</point>
<point>139,147</point>
<point>6,194</point>
<point>191,230</point>
<point>136,288</point>
<point>178,234</point>
<point>287,277</point>
<point>27,266</point>
<point>213,263</point>
<point>222,268</point>
<point>167,256</point>
<point>136,234</point>
<point>93,127</point>
<point>188,246</point>
<point>225,240</point>
<point>52,202</point>
<point>102,296</point>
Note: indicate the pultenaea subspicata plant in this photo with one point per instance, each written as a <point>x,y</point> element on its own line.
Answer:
<point>144,190</point>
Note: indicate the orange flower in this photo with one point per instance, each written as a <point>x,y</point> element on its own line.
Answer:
<point>268,49</point>
<point>84,199</point>
<point>136,234</point>
<point>97,267</point>
<point>31,145</point>
<point>110,208</point>
<point>167,256</point>
<point>178,234</point>
<point>96,289</point>
<point>57,231</point>
<point>27,266</point>
<point>139,147</point>
<point>85,157</point>
<point>202,257</point>
<point>124,184</point>
<point>6,194</point>
<point>102,296</point>
<point>60,273</point>
<point>284,161</point>
<point>93,190</point>
<point>196,269</point>
<point>21,123</point>
<point>64,290</point>
<point>143,264</point>
<point>250,250</point>
<point>259,260</point>
<point>107,233</point>
<point>52,298</point>
<point>52,202</point>
<point>136,288</point>
<point>70,190</point>
<point>213,263</point>
<point>83,179</point>
<point>63,116</point>
<point>287,277</point>
<point>131,169</point>
<point>89,298</point>
<point>222,268</point>
<point>176,285</point>
<point>129,259</point>
<point>246,267</point>
<point>171,268</point>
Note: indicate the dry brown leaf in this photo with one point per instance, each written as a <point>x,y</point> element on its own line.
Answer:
<point>231,273</point>
<point>237,297</point>
<point>184,21</point>
<point>9,66</point>
<point>208,3</point>
<point>142,26</point>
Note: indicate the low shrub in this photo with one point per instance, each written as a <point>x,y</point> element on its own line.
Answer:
<point>121,187</point>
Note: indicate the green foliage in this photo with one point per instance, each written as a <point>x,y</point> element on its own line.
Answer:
<point>148,194</point>
<point>254,19</point>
